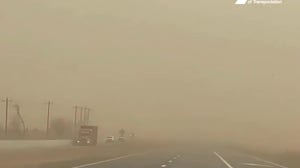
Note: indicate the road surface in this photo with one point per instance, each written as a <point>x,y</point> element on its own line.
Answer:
<point>191,157</point>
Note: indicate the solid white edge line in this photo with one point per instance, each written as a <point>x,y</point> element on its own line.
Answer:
<point>258,165</point>
<point>223,160</point>
<point>108,160</point>
<point>272,163</point>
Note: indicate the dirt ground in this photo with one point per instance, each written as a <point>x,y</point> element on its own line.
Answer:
<point>35,158</point>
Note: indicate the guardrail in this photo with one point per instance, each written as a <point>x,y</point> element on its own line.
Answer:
<point>25,144</point>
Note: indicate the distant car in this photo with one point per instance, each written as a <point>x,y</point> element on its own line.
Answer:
<point>132,135</point>
<point>122,139</point>
<point>110,139</point>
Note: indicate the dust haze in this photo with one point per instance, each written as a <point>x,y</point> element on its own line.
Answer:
<point>168,69</point>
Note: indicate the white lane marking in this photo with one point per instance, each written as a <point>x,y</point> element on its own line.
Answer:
<point>223,160</point>
<point>163,166</point>
<point>174,158</point>
<point>257,165</point>
<point>109,160</point>
<point>272,163</point>
<point>170,161</point>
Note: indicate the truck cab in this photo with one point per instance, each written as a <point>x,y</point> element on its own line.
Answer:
<point>87,136</point>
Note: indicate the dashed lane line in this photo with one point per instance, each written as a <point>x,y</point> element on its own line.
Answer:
<point>109,160</point>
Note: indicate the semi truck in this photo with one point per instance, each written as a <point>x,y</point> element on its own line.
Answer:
<point>87,136</point>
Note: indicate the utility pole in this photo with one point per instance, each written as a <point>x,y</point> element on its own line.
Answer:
<point>81,115</point>
<point>75,118</point>
<point>48,116</point>
<point>88,116</point>
<point>85,116</point>
<point>20,118</point>
<point>6,113</point>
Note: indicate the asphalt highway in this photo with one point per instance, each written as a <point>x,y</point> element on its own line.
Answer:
<point>189,157</point>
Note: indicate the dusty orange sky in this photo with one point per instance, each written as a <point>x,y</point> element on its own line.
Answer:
<point>160,67</point>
